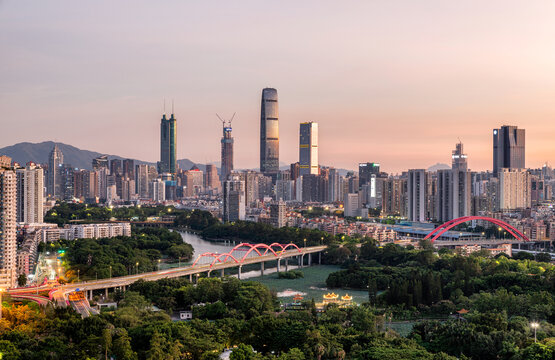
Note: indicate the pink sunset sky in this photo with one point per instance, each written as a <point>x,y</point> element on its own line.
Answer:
<point>394,82</point>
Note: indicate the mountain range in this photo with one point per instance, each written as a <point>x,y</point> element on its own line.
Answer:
<point>39,152</point>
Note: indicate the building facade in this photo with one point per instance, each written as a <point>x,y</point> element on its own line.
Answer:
<point>308,148</point>
<point>269,133</point>
<point>168,145</point>
<point>508,148</point>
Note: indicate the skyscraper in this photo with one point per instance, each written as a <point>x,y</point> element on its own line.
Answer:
<point>8,218</point>
<point>211,180</point>
<point>366,170</point>
<point>129,168</point>
<point>269,133</point>
<point>508,148</point>
<point>100,162</point>
<point>416,194</point>
<point>115,167</point>
<point>234,199</point>
<point>54,180</point>
<point>168,145</point>
<point>30,189</point>
<point>227,152</point>
<point>308,148</point>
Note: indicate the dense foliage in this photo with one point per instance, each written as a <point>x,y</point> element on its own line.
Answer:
<point>118,256</point>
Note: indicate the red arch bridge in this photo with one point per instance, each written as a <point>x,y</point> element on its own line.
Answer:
<point>245,253</point>
<point>443,228</point>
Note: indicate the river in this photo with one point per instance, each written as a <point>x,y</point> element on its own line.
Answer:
<point>313,285</point>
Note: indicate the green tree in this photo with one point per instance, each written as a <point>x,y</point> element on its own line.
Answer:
<point>242,352</point>
<point>22,280</point>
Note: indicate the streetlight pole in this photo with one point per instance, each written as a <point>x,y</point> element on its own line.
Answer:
<point>535,326</point>
<point>110,271</point>
<point>78,270</point>
<point>137,267</point>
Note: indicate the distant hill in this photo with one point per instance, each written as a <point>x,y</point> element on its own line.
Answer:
<point>439,166</point>
<point>39,152</point>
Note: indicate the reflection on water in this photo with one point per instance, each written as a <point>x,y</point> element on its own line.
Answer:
<point>201,246</point>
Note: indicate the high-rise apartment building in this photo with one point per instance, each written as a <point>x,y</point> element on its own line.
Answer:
<point>227,152</point>
<point>142,180</point>
<point>168,145</point>
<point>269,133</point>
<point>453,196</point>
<point>514,189</point>
<point>277,214</point>
<point>351,205</point>
<point>30,190</point>
<point>234,199</point>
<point>308,148</point>
<point>417,190</point>
<point>333,185</point>
<point>508,148</point>
<point>8,218</point>
<point>54,179</point>
<point>67,180</point>
<point>393,197</point>
<point>285,190</point>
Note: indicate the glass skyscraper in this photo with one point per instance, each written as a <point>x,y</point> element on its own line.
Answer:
<point>508,148</point>
<point>308,148</point>
<point>227,152</point>
<point>269,133</point>
<point>168,145</point>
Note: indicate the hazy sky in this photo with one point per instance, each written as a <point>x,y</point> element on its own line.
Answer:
<point>396,82</point>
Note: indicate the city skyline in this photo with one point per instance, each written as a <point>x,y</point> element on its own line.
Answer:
<point>375,106</point>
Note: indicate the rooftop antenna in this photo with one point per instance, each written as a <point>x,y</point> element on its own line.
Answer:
<point>172,106</point>
<point>164,106</point>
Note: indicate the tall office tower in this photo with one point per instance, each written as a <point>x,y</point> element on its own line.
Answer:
<point>537,189</point>
<point>459,158</point>
<point>193,181</point>
<point>30,190</point>
<point>417,191</point>
<point>308,148</point>
<point>393,197</point>
<point>277,214</point>
<point>211,180</point>
<point>269,133</point>
<point>142,180</point>
<point>508,148</point>
<point>100,162</point>
<point>514,189</point>
<point>333,185</point>
<point>54,181</point>
<point>366,170</point>
<point>129,168</point>
<point>453,196</point>
<point>295,170</point>
<point>68,185</point>
<point>8,222</point>
<point>234,199</point>
<point>227,152</point>
<point>115,167</point>
<point>168,145</point>
<point>312,188</point>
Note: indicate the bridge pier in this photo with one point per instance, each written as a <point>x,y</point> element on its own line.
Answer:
<point>286,264</point>
<point>191,278</point>
<point>222,273</point>
<point>278,265</point>
<point>309,259</point>
<point>106,293</point>
<point>90,295</point>
<point>320,258</point>
<point>239,272</point>
<point>262,268</point>
<point>209,272</point>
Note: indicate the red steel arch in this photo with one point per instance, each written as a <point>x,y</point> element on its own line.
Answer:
<point>440,230</point>
<point>250,248</point>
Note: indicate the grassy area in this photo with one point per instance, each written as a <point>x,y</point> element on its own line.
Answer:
<point>312,285</point>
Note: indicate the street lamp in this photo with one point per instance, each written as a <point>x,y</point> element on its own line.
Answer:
<point>78,270</point>
<point>137,267</point>
<point>110,271</point>
<point>535,326</point>
<point>304,242</point>
<point>158,264</point>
